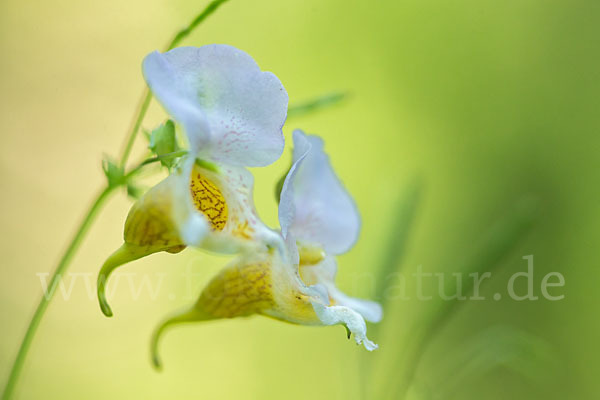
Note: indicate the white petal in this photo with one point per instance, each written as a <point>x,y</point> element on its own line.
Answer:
<point>324,273</point>
<point>325,214</point>
<point>370,310</point>
<point>193,226</point>
<point>237,184</point>
<point>243,229</point>
<point>292,251</point>
<point>193,229</point>
<point>287,207</point>
<point>230,110</point>
<point>334,315</point>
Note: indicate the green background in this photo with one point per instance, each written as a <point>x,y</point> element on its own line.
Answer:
<point>478,103</point>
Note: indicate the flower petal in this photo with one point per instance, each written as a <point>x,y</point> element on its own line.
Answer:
<point>370,310</point>
<point>325,214</point>
<point>231,111</point>
<point>353,321</point>
<point>324,273</point>
<point>197,206</point>
<point>287,206</point>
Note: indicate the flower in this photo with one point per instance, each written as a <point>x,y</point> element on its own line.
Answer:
<point>231,114</point>
<point>318,221</point>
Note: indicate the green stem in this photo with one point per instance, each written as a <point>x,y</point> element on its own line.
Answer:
<point>185,32</point>
<point>45,301</point>
<point>144,104</point>
<point>61,268</point>
<point>147,96</point>
<point>93,211</point>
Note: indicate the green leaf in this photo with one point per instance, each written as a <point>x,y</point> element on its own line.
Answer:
<point>185,32</point>
<point>496,347</point>
<point>114,174</point>
<point>494,246</point>
<point>399,232</point>
<point>316,104</point>
<point>163,141</point>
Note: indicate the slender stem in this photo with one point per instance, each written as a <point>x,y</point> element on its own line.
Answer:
<point>147,96</point>
<point>45,301</point>
<point>93,211</point>
<point>137,123</point>
<point>185,32</point>
<point>61,268</point>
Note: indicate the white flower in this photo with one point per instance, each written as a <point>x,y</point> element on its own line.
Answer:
<point>318,215</point>
<point>318,220</point>
<point>231,114</point>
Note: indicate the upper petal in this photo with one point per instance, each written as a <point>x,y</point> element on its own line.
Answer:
<point>230,109</point>
<point>287,205</point>
<point>324,212</point>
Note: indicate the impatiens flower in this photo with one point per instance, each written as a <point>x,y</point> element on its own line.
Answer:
<point>318,220</point>
<point>231,114</point>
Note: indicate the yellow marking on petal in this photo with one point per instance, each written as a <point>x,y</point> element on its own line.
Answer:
<point>149,225</point>
<point>148,229</point>
<point>242,230</point>
<point>293,306</point>
<point>238,291</point>
<point>208,199</point>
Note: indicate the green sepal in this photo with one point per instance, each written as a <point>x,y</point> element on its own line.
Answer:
<point>114,174</point>
<point>164,141</point>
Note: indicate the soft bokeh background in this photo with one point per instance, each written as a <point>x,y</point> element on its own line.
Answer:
<point>483,102</point>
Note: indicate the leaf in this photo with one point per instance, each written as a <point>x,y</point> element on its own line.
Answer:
<point>496,244</point>
<point>495,347</point>
<point>316,104</point>
<point>164,141</point>
<point>399,232</point>
<point>403,218</point>
<point>493,248</point>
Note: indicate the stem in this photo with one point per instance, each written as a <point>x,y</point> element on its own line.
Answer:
<point>147,95</point>
<point>45,301</point>
<point>93,211</point>
<point>143,107</point>
<point>185,32</point>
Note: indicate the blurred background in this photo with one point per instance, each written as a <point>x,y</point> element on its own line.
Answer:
<point>469,139</point>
